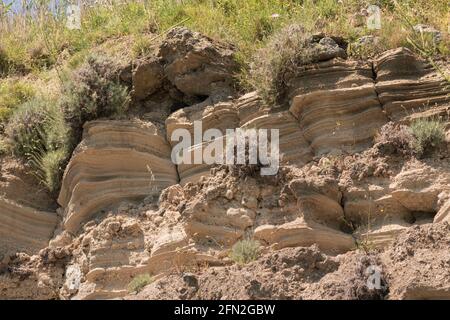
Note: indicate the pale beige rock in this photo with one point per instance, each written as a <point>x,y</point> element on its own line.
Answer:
<point>294,149</point>
<point>330,75</point>
<point>116,161</point>
<point>23,228</point>
<point>341,119</point>
<point>299,233</point>
<point>220,116</point>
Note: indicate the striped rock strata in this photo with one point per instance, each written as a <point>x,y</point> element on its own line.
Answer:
<point>23,228</point>
<point>116,161</point>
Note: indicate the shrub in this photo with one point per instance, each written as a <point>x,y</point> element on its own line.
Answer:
<point>39,135</point>
<point>12,94</point>
<point>94,91</point>
<point>139,282</point>
<point>26,127</point>
<point>245,251</point>
<point>428,134</point>
<point>286,51</point>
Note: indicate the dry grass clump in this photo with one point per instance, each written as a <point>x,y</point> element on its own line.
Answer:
<point>287,51</point>
<point>428,135</point>
<point>245,251</point>
<point>94,91</point>
<point>422,136</point>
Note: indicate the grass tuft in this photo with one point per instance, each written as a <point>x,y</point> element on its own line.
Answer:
<point>428,134</point>
<point>139,282</point>
<point>245,251</point>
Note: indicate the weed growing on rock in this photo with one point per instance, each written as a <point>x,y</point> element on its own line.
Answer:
<point>51,168</point>
<point>287,53</point>
<point>428,134</point>
<point>245,251</point>
<point>139,282</point>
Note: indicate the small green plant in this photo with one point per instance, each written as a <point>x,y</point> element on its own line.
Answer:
<point>395,138</point>
<point>139,282</point>
<point>428,134</point>
<point>245,251</point>
<point>142,46</point>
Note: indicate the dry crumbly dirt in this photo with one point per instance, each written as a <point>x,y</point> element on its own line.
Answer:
<point>418,259</point>
<point>16,182</point>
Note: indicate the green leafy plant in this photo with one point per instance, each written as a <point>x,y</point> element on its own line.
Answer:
<point>139,282</point>
<point>245,251</point>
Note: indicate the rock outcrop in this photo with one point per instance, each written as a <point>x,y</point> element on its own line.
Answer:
<point>293,147</point>
<point>189,67</point>
<point>127,209</point>
<point>221,116</point>
<point>116,161</point>
<point>197,65</point>
<point>406,84</point>
<point>339,119</point>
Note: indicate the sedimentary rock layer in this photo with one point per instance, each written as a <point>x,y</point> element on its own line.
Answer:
<point>339,119</point>
<point>23,228</point>
<point>221,116</point>
<point>330,75</point>
<point>294,149</point>
<point>117,160</point>
<point>406,84</point>
<point>383,206</point>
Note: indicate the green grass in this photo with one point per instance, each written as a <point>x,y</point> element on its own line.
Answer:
<point>139,282</point>
<point>35,44</point>
<point>245,251</point>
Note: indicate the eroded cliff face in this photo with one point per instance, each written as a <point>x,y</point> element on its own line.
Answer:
<point>126,209</point>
